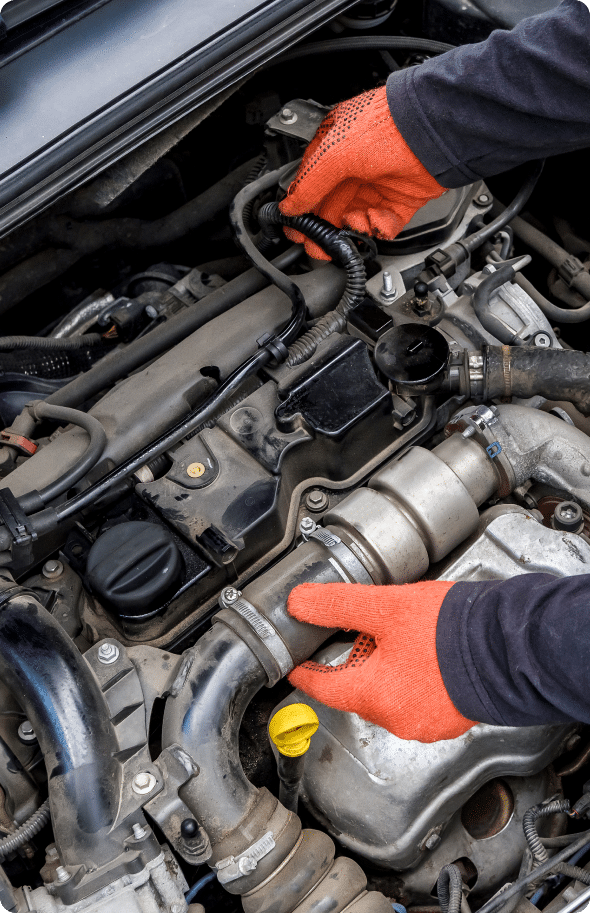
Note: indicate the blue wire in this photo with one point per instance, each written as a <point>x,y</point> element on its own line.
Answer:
<point>537,896</point>
<point>399,908</point>
<point>206,879</point>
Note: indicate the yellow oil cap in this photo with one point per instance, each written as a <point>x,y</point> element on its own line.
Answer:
<point>291,729</point>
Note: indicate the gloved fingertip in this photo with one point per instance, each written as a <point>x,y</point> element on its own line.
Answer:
<point>294,236</point>
<point>320,683</point>
<point>303,600</point>
<point>316,252</point>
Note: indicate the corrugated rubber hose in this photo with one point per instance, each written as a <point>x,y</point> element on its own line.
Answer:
<point>26,831</point>
<point>540,854</point>
<point>449,888</point>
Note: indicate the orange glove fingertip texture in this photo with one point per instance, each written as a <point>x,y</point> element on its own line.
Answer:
<point>394,680</point>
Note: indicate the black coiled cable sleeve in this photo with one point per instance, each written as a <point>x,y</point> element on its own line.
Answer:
<point>26,831</point>
<point>334,243</point>
<point>449,888</point>
<point>10,343</point>
<point>539,852</point>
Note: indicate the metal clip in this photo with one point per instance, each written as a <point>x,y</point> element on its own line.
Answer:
<point>234,867</point>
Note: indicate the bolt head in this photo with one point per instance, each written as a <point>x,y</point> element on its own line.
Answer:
<point>316,500</point>
<point>143,783</point>
<point>62,875</point>
<point>483,199</point>
<point>195,470</point>
<point>307,525</point>
<point>52,569</point>
<point>139,832</point>
<point>432,842</point>
<point>108,654</point>
<point>542,340</point>
<point>230,594</point>
<point>26,733</point>
<point>287,116</point>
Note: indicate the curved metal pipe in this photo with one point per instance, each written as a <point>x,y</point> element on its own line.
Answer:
<point>56,689</point>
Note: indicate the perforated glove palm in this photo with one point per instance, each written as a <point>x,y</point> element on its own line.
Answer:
<point>392,676</point>
<point>358,172</point>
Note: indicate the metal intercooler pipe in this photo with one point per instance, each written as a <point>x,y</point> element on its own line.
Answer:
<point>53,684</point>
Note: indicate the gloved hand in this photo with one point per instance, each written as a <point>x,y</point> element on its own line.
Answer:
<point>358,172</point>
<point>392,676</point>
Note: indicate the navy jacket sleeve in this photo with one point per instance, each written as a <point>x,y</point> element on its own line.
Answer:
<point>484,108</point>
<point>517,652</point>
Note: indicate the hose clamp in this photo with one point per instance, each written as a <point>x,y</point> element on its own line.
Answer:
<point>233,867</point>
<point>258,633</point>
<point>341,558</point>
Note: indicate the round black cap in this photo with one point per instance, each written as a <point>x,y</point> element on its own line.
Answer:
<point>133,568</point>
<point>412,354</point>
<point>189,828</point>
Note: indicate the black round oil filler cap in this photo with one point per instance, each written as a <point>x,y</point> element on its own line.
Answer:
<point>412,354</point>
<point>133,568</point>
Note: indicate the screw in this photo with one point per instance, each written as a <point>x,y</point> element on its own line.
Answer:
<point>568,516</point>
<point>307,526</point>
<point>469,431</point>
<point>108,654</point>
<point>287,116</point>
<point>62,874</point>
<point>230,594</point>
<point>143,783</point>
<point>388,290</point>
<point>483,199</point>
<point>316,500</point>
<point>26,733</point>
<point>542,340</point>
<point>195,470</point>
<point>432,842</point>
<point>139,832</point>
<point>52,569</point>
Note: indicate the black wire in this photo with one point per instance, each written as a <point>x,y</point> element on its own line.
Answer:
<point>364,43</point>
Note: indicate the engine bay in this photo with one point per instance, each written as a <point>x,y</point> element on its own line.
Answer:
<point>197,417</point>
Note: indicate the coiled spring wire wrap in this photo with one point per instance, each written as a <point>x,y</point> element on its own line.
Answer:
<point>334,243</point>
<point>449,888</point>
<point>539,852</point>
<point>26,831</point>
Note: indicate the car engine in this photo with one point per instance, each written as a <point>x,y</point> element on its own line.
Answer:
<point>197,417</point>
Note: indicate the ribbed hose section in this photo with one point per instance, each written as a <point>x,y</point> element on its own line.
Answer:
<point>48,342</point>
<point>539,852</point>
<point>26,831</point>
<point>449,888</point>
<point>334,243</point>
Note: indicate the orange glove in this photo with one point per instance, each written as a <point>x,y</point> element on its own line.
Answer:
<point>358,172</point>
<point>392,676</point>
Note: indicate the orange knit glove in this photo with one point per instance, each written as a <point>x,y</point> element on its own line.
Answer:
<point>358,172</point>
<point>391,677</point>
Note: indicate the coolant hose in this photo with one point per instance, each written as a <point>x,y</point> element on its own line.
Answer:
<point>553,311</point>
<point>96,445</point>
<point>578,278</point>
<point>54,686</point>
<point>334,243</point>
<point>35,823</point>
<point>525,371</point>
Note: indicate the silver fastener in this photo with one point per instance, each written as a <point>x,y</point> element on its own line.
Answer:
<point>108,654</point>
<point>316,500</point>
<point>483,199</point>
<point>432,842</point>
<point>287,116</point>
<point>143,783</point>
<point>52,569</point>
<point>388,290</point>
<point>139,832</point>
<point>62,874</point>
<point>26,733</point>
<point>230,594</point>
<point>307,526</point>
<point>542,340</point>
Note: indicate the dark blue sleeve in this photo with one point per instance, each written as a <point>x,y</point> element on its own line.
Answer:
<point>484,108</point>
<point>517,652</point>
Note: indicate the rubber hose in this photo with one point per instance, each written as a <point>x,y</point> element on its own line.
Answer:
<point>556,255</point>
<point>89,459</point>
<point>364,43</point>
<point>26,831</point>
<point>481,301</point>
<point>552,311</point>
<point>472,242</point>
<point>48,342</point>
<point>539,852</point>
<point>449,888</point>
<point>334,243</point>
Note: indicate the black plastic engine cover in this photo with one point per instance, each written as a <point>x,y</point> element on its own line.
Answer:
<point>460,21</point>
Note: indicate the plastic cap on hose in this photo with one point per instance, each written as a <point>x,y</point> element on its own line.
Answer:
<point>291,729</point>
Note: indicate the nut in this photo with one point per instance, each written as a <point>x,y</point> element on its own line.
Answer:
<point>316,500</point>
<point>52,569</point>
<point>143,783</point>
<point>307,526</point>
<point>108,654</point>
<point>195,470</point>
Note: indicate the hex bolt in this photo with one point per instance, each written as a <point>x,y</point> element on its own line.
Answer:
<point>287,116</point>
<point>316,500</point>
<point>307,526</point>
<point>108,654</point>
<point>388,290</point>
<point>139,832</point>
<point>230,595</point>
<point>483,199</point>
<point>52,569</point>
<point>62,874</point>
<point>432,842</point>
<point>143,783</point>
<point>26,733</point>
